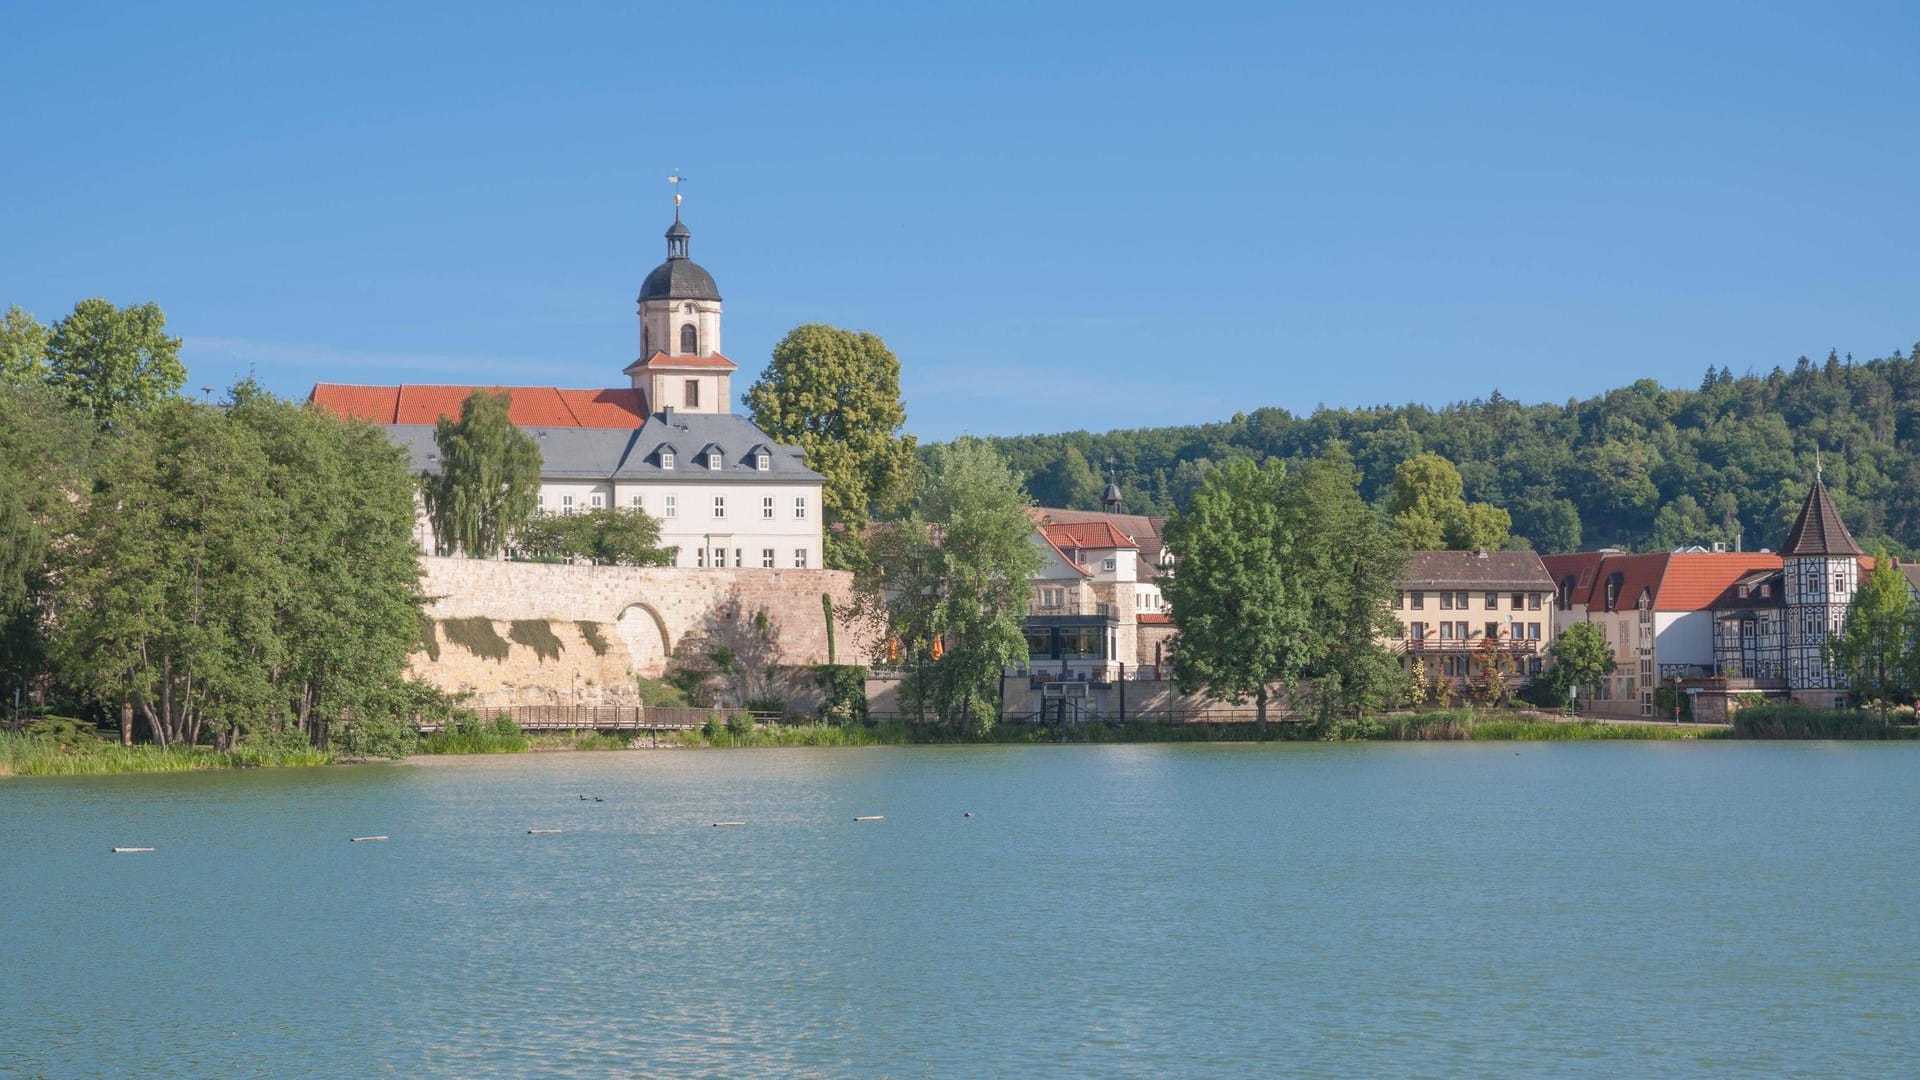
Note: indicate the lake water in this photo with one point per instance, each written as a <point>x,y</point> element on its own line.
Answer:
<point>1469,910</point>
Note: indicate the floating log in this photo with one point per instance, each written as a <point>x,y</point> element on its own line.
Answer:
<point>367,839</point>
<point>130,850</point>
<point>728,824</point>
<point>541,832</point>
<point>872,817</point>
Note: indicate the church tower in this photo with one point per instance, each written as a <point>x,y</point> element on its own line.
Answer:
<point>680,364</point>
<point>1822,574</point>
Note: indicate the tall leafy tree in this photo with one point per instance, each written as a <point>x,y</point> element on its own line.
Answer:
<point>836,394</point>
<point>955,574</point>
<point>1349,559</point>
<point>46,463</point>
<point>23,349</point>
<point>242,569</point>
<point>1876,654</point>
<point>488,482</point>
<point>114,362</point>
<point>1431,511</point>
<point>1244,617</point>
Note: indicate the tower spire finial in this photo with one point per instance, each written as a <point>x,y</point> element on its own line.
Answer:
<point>676,179</point>
<point>1817,477</point>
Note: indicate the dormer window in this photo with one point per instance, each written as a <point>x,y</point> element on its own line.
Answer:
<point>690,340</point>
<point>715,459</point>
<point>1614,582</point>
<point>762,461</point>
<point>666,457</point>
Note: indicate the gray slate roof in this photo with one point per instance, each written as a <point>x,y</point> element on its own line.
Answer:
<point>1475,569</point>
<point>631,455</point>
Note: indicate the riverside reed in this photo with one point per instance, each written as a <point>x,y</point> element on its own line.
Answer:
<point>34,755</point>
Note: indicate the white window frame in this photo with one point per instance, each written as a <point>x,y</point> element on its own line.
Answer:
<point>635,503</point>
<point>672,508</point>
<point>720,558</point>
<point>566,505</point>
<point>1109,564</point>
<point>716,460</point>
<point>799,508</point>
<point>799,558</point>
<point>766,558</point>
<point>666,459</point>
<point>763,461</point>
<point>598,500</point>
<point>719,506</point>
<point>766,506</point>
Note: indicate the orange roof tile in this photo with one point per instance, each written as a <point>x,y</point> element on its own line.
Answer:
<point>662,360</point>
<point>1086,534</point>
<point>1155,618</point>
<point>1694,580</point>
<point>529,406</point>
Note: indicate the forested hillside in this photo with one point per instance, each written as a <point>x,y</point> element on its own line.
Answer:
<point>1642,467</point>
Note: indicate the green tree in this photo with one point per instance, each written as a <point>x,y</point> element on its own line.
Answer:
<point>489,478</point>
<point>1244,617</point>
<point>602,536</point>
<point>114,362</point>
<point>23,349</point>
<point>46,469</point>
<point>1073,483</point>
<point>955,574</point>
<point>1876,652</point>
<point>836,394</point>
<point>238,570</point>
<point>1428,507</point>
<point>1582,656</point>
<point>1349,559</point>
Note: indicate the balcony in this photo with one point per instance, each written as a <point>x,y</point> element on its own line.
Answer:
<point>1461,646</point>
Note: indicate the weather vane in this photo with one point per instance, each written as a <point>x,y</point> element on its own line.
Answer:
<point>676,180</point>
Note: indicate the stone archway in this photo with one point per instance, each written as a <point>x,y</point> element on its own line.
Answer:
<point>645,634</point>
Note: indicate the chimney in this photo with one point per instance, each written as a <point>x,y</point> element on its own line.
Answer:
<point>666,414</point>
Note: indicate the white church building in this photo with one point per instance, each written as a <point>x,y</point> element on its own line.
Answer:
<point>726,495</point>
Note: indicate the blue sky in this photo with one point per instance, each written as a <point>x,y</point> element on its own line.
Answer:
<point>1060,216</point>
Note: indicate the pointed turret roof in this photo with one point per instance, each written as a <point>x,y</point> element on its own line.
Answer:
<point>1819,530</point>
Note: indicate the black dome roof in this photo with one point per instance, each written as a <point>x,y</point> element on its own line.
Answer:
<point>679,279</point>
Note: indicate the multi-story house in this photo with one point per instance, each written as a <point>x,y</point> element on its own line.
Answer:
<point>725,494</point>
<point>1452,604</point>
<point>1718,621</point>
<point>1096,612</point>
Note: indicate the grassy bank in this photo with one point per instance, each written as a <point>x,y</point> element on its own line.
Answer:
<point>34,755</point>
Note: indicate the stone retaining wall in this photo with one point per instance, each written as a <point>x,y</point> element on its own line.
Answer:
<point>642,614</point>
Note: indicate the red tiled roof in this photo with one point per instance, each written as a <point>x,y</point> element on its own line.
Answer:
<point>1695,580</point>
<point>662,360</point>
<point>529,406</point>
<point>1155,618</point>
<point>1679,581</point>
<point>1086,534</point>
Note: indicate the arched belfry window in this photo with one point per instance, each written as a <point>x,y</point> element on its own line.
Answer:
<point>689,340</point>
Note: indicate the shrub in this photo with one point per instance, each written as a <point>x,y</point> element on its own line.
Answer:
<point>739,723</point>
<point>63,731</point>
<point>590,633</point>
<point>659,693</point>
<point>845,688</point>
<point>476,635</point>
<point>538,635</point>
<point>1786,721</point>
<point>711,728</point>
